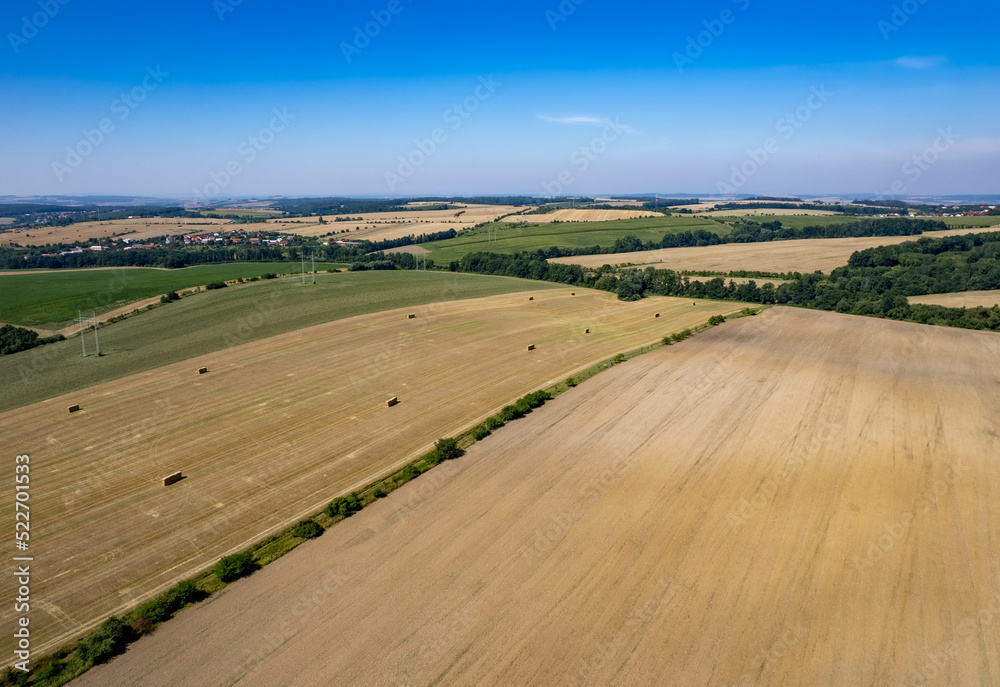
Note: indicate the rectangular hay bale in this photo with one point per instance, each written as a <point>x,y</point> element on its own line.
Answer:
<point>202,370</point>
<point>391,402</point>
<point>74,408</point>
<point>531,347</point>
<point>170,479</point>
<point>411,316</point>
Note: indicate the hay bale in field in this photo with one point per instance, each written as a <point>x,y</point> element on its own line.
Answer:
<point>531,298</point>
<point>202,370</point>
<point>411,316</point>
<point>391,402</point>
<point>170,479</point>
<point>587,332</point>
<point>74,408</point>
<point>572,293</point>
<point>531,347</point>
<point>657,314</point>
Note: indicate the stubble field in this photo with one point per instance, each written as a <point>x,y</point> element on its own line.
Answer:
<point>798,498</point>
<point>275,430</point>
<point>798,255</point>
<point>963,299</point>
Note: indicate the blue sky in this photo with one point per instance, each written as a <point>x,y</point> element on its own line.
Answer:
<point>745,96</point>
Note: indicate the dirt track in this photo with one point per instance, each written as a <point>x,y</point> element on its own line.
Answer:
<point>799,498</point>
<point>799,255</point>
<point>275,430</point>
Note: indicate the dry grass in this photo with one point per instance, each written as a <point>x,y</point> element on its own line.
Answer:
<point>800,255</point>
<point>964,299</point>
<point>769,212</point>
<point>726,511</point>
<point>276,429</point>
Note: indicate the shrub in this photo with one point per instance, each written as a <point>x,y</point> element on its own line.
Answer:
<point>570,382</point>
<point>681,335</point>
<point>15,339</point>
<point>108,640</point>
<point>270,275</point>
<point>344,506</point>
<point>619,358</point>
<point>447,449</point>
<point>410,472</point>
<point>480,432</point>
<point>216,285</point>
<point>716,320</point>
<point>667,341</point>
<point>233,567</point>
<point>493,423</point>
<point>508,413</point>
<point>307,529</point>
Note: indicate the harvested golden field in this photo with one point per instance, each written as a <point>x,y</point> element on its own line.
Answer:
<point>275,430</point>
<point>962,299</point>
<point>378,226</point>
<point>797,498</point>
<point>740,280</point>
<point>799,255</point>
<point>584,215</point>
<point>768,212</point>
<point>136,229</point>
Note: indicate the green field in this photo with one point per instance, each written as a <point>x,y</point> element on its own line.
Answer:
<point>513,238</point>
<point>50,300</point>
<point>212,320</point>
<point>970,222</point>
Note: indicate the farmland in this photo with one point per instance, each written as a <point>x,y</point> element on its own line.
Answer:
<point>212,320</point>
<point>136,229</point>
<point>798,498</point>
<point>49,300</point>
<point>378,226</point>
<point>962,299</point>
<point>277,428</point>
<point>800,255</point>
<point>511,238</point>
<point>588,215</point>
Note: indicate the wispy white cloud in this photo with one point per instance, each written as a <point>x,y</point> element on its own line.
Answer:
<point>921,61</point>
<point>588,121</point>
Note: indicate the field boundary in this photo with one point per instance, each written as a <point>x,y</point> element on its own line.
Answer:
<point>115,634</point>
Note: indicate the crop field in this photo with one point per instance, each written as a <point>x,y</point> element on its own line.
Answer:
<point>212,320</point>
<point>975,221</point>
<point>378,226</point>
<point>797,498</point>
<point>136,229</point>
<point>587,215</point>
<point>276,429</point>
<point>780,213</point>
<point>50,299</point>
<point>798,255</point>
<point>512,238</point>
<point>962,299</point>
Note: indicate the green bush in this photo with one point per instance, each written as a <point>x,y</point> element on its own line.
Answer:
<point>216,285</point>
<point>233,567</point>
<point>110,639</point>
<point>681,335</point>
<point>447,449</point>
<point>410,472</point>
<point>570,382</point>
<point>270,275</point>
<point>619,358</point>
<point>493,423</point>
<point>307,529</point>
<point>344,506</point>
<point>480,432</point>
<point>16,339</point>
<point>508,413</point>
<point>716,320</point>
